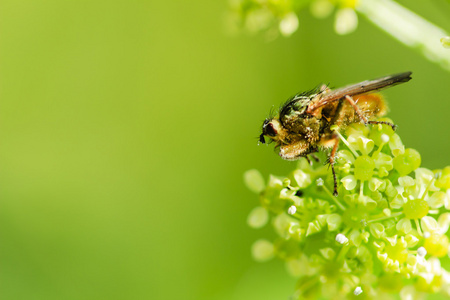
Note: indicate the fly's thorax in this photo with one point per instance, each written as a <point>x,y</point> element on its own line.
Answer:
<point>294,109</point>
<point>310,129</point>
<point>304,126</point>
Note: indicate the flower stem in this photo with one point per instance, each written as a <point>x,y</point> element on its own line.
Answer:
<point>339,204</point>
<point>342,138</point>
<point>418,227</point>
<point>385,218</point>
<point>407,27</point>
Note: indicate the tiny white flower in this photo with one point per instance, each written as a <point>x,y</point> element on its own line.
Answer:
<point>321,8</point>
<point>429,224</point>
<point>384,138</point>
<point>358,291</point>
<point>292,210</point>
<point>262,250</point>
<point>421,252</point>
<point>254,181</point>
<point>375,183</point>
<point>258,217</point>
<point>319,182</point>
<point>404,225</point>
<point>346,21</point>
<point>446,41</point>
<point>295,267</point>
<point>444,223</point>
<point>341,239</point>
<point>406,181</point>
<point>349,182</point>
<point>301,178</point>
<point>289,24</point>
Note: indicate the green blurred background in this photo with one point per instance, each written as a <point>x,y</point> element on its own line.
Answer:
<point>126,127</point>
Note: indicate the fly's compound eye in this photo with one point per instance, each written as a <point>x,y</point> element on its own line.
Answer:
<point>269,130</point>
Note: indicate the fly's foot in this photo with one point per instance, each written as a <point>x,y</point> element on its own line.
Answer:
<point>308,160</point>
<point>393,126</point>
<point>310,153</point>
<point>316,159</point>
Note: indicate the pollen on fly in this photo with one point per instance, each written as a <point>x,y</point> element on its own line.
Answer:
<point>313,119</point>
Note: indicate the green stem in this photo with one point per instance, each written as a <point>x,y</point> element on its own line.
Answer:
<point>339,204</point>
<point>342,253</point>
<point>342,138</point>
<point>419,230</point>
<point>386,218</point>
<point>408,28</point>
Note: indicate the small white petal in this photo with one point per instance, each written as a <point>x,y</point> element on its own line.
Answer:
<point>289,24</point>
<point>424,175</point>
<point>262,250</point>
<point>346,21</point>
<point>446,41</point>
<point>377,229</point>
<point>254,181</point>
<point>313,227</point>
<point>375,183</point>
<point>321,8</point>
<point>295,267</point>
<point>319,182</point>
<point>444,223</point>
<point>281,223</point>
<point>349,182</point>
<point>429,224</point>
<point>396,145</point>
<point>421,252</point>
<point>301,178</point>
<point>358,291</point>
<point>258,19</point>
<point>409,293</point>
<point>384,138</point>
<point>406,181</point>
<point>397,202</point>
<point>404,225</point>
<point>434,266</point>
<point>437,199</point>
<point>292,210</point>
<point>341,239</point>
<point>365,145</point>
<point>258,217</point>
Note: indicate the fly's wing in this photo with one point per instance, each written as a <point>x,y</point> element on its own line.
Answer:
<point>364,87</point>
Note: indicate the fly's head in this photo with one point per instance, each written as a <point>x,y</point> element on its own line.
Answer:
<point>272,129</point>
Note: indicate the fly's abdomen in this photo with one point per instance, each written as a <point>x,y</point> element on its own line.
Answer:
<point>371,105</point>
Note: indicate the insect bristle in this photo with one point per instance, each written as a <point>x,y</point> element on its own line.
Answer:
<point>272,113</point>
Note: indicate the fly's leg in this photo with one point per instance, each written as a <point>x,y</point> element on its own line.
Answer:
<point>357,110</point>
<point>308,160</point>
<point>315,157</point>
<point>310,152</point>
<point>332,160</point>
<point>394,127</point>
<point>363,118</point>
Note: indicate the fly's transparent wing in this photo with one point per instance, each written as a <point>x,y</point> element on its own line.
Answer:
<point>364,87</point>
